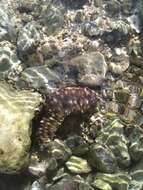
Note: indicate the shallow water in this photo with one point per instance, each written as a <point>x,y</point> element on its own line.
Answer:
<point>49,45</point>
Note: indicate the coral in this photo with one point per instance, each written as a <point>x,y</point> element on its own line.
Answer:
<point>17,111</point>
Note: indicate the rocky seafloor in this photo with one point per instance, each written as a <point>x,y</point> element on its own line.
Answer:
<point>71,95</point>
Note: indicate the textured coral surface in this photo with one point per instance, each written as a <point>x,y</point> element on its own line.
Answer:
<point>17,110</point>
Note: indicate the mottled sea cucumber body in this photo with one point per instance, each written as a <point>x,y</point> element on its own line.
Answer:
<point>62,103</point>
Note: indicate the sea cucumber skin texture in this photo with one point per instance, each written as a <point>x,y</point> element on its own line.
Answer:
<point>60,104</point>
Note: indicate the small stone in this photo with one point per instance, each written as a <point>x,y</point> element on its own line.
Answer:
<point>118,144</point>
<point>112,107</point>
<point>40,78</point>
<point>71,4</point>
<point>90,29</point>
<point>44,167</point>
<point>102,159</point>
<point>136,144</point>
<point>113,7</point>
<point>27,6</point>
<point>136,185</point>
<point>118,34</point>
<point>52,17</point>
<point>37,186</point>
<point>134,101</point>
<point>78,165</point>
<point>122,95</point>
<point>135,22</point>
<point>28,39</point>
<point>62,184</point>
<point>101,185</point>
<point>77,145</point>
<point>59,150</point>
<point>70,183</point>
<point>91,68</point>
<point>119,63</point>
<point>112,181</point>
<point>131,115</point>
<point>98,3</point>
<point>141,9</point>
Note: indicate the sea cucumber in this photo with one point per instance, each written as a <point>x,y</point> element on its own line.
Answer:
<point>62,103</point>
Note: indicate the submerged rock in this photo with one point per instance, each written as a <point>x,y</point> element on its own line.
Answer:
<point>136,144</point>
<point>119,62</point>
<point>135,51</point>
<point>119,33</point>
<point>52,17</point>
<point>27,6</point>
<point>98,27</point>
<point>112,140</point>
<point>37,186</point>
<point>134,101</point>
<point>58,150</point>
<point>101,185</point>
<point>40,78</point>
<point>42,165</point>
<point>78,165</point>
<point>137,175</point>
<point>17,111</point>
<point>70,183</point>
<point>141,9</point>
<point>118,144</point>
<point>122,95</point>
<point>28,39</point>
<point>111,181</point>
<point>114,7</point>
<point>62,184</point>
<point>78,145</point>
<point>7,30</point>
<point>91,68</point>
<point>135,185</point>
<point>74,5</point>
<point>10,65</point>
<point>102,158</point>
<point>62,50</point>
<point>38,168</point>
<point>111,31</point>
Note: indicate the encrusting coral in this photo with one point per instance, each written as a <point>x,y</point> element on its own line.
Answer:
<point>17,111</point>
